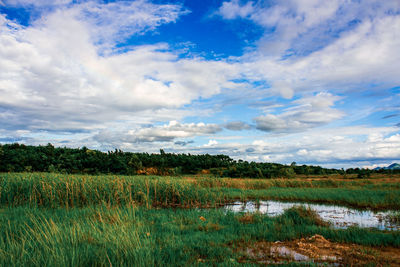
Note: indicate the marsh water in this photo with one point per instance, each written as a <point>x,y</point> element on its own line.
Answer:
<point>338,216</point>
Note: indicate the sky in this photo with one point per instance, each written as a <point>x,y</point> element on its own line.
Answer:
<point>310,81</point>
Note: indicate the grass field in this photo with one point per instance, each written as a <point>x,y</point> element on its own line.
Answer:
<point>57,190</point>
<point>77,220</point>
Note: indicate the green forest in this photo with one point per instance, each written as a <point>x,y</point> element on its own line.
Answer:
<point>23,158</point>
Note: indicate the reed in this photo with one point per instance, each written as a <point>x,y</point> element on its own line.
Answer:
<point>69,191</point>
<point>137,236</point>
<point>56,190</point>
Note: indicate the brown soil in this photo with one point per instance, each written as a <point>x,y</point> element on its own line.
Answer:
<point>319,250</point>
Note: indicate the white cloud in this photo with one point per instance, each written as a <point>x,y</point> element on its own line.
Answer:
<point>301,24</point>
<point>367,55</point>
<point>283,88</point>
<point>115,21</point>
<point>37,3</point>
<point>52,78</point>
<point>232,9</point>
<point>331,147</point>
<point>311,46</point>
<point>306,113</point>
<point>288,20</point>
<point>107,23</point>
<point>211,143</point>
<point>165,133</point>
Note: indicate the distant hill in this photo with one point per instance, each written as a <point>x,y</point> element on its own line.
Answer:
<point>394,166</point>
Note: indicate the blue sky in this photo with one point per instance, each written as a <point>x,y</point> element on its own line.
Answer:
<point>316,82</point>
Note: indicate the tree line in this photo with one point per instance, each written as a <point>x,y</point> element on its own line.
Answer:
<point>23,158</point>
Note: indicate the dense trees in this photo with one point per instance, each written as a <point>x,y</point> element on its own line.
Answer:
<point>19,158</point>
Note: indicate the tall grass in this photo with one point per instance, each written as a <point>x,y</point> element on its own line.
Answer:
<point>303,183</point>
<point>136,236</point>
<point>68,191</point>
<point>81,238</point>
<point>55,190</point>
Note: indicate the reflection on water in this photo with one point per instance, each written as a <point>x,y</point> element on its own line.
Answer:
<point>340,217</point>
<point>287,252</point>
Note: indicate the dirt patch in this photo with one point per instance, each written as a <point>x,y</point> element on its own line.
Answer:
<point>317,249</point>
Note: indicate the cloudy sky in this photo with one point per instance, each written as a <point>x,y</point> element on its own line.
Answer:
<point>311,81</point>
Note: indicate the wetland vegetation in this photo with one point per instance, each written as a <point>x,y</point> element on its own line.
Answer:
<point>63,190</point>
<point>65,219</point>
<point>79,220</point>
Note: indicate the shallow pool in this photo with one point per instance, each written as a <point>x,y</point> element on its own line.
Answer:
<point>340,217</point>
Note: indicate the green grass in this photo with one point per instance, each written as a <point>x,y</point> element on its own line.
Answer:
<point>82,220</point>
<point>56,190</point>
<point>100,236</point>
<point>68,191</point>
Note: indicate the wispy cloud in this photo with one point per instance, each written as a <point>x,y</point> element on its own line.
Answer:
<point>164,133</point>
<point>307,112</point>
<point>113,22</point>
<point>237,126</point>
<point>390,116</point>
<point>299,26</point>
<point>37,3</point>
<point>338,147</point>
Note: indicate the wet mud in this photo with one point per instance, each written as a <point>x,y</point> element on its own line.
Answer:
<point>317,249</point>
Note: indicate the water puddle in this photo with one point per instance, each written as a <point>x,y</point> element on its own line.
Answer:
<point>287,252</point>
<point>276,254</point>
<point>340,217</point>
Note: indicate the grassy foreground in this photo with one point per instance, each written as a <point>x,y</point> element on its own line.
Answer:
<point>102,236</point>
<point>79,220</point>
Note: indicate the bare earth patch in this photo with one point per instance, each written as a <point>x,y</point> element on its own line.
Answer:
<point>317,249</point>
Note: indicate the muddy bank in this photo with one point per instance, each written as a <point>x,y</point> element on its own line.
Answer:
<point>317,249</point>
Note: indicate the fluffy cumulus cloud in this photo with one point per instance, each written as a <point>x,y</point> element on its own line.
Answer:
<point>52,76</point>
<point>305,91</point>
